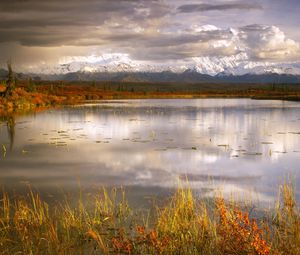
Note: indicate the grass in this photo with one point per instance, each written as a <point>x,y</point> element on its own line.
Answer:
<point>107,225</point>
<point>29,95</point>
<point>23,101</point>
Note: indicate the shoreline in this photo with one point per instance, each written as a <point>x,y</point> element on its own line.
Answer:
<point>45,96</point>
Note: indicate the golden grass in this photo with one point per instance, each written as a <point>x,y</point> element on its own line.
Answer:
<point>28,225</point>
<point>29,96</point>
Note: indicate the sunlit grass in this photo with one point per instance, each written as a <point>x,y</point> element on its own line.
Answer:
<point>37,96</point>
<point>185,225</point>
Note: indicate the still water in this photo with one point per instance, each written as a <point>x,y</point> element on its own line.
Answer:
<point>238,146</point>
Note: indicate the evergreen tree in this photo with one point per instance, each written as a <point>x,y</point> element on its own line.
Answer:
<point>31,85</point>
<point>10,82</point>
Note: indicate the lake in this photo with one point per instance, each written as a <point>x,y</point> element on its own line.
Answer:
<point>239,146</point>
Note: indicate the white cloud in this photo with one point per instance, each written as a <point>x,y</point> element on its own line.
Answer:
<point>268,43</point>
<point>207,48</point>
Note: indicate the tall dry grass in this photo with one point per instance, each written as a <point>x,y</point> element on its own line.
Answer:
<point>185,225</point>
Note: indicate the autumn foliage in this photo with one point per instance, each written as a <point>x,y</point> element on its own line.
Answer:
<point>107,225</point>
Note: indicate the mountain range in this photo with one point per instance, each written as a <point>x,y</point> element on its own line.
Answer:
<point>119,67</point>
<point>188,76</point>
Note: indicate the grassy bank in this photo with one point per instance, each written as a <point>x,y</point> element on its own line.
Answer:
<point>106,225</point>
<point>23,101</point>
<point>30,96</point>
<point>82,90</point>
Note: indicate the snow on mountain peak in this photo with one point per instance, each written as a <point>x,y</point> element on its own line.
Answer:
<point>237,64</point>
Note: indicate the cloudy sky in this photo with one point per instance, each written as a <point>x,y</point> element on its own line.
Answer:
<point>36,33</point>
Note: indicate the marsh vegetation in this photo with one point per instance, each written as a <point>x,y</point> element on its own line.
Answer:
<point>105,224</point>
<point>35,95</point>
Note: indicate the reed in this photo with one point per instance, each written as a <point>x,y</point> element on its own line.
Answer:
<point>107,225</point>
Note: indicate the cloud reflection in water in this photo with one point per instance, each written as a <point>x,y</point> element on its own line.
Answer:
<point>238,145</point>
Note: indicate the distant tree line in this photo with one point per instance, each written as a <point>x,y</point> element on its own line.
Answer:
<point>10,82</point>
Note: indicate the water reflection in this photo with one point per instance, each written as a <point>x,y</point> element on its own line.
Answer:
<point>238,145</point>
<point>10,123</point>
<point>11,131</point>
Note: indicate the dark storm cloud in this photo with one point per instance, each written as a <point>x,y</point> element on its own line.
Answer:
<point>148,30</point>
<point>43,23</point>
<point>100,23</point>
<point>189,8</point>
<point>67,5</point>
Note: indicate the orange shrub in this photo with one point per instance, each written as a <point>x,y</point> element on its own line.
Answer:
<point>238,234</point>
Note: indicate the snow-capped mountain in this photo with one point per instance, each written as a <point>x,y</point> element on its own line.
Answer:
<point>238,64</point>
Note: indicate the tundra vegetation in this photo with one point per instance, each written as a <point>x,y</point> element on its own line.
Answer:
<point>105,224</point>
<point>15,98</point>
<point>19,96</point>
